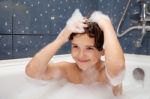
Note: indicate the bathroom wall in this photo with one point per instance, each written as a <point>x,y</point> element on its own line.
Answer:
<point>115,9</point>
<point>28,25</point>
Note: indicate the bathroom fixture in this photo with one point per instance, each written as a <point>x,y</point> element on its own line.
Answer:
<point>138,74</point>
<point>144,18</point>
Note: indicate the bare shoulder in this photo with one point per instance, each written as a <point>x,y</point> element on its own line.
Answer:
<point>62,66</point>
<point>59,69</point>
<point>67,70</point>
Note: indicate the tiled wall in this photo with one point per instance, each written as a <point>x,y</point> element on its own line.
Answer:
<point>115,9</point>
<point>28,25</point>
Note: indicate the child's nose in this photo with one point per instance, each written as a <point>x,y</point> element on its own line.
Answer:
<point>81,54</point>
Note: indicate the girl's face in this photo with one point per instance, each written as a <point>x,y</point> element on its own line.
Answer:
<point>84,52</point>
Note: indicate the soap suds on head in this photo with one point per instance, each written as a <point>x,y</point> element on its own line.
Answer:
<point>96,15</point>
<point>76,16</point>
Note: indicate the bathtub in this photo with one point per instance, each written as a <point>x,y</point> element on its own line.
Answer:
<point>15,84</point>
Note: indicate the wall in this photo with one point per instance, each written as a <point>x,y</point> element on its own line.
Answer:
<point>115,9</point>
<point>28,25</point>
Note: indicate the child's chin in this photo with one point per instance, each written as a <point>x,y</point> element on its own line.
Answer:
<point>83,68</point>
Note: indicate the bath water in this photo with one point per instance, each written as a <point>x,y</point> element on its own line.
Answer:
<point>61,89</point>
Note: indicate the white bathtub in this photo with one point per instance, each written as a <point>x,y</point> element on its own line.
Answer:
<point>14,84</point>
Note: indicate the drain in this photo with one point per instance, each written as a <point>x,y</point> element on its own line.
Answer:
<point>139,74</point>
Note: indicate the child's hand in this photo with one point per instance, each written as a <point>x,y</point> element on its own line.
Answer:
<point>101,19</point>
<point>117,90</point>
<point>77,22</point>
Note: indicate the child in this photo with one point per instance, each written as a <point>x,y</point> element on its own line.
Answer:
<point>87,37</point>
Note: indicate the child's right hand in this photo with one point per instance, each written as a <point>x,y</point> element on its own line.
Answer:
<point>75,24</point>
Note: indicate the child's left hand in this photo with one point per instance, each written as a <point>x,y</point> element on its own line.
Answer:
<point>101,19</point>
<point>117,90</point>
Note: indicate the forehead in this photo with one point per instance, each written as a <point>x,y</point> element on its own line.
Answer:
<point>83,39</point>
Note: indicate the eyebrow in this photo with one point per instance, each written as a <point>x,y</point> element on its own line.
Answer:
<point>86,45</point>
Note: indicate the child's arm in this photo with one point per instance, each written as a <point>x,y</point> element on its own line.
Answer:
<point>39,66</point>
<point>114,56</point>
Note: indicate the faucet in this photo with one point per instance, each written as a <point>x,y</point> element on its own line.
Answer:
<point>143,10</point>
<point>144,18</point>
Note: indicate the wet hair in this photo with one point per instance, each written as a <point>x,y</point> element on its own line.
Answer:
<point>93,31</point>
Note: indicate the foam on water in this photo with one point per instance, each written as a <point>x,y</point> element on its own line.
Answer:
<point>61,89</point>
<point>22,87</point>
<point>27,88</point>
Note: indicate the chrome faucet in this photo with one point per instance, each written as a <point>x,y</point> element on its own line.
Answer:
<point>143,10</point>
<point>138,43</point>
<point>144,18</point>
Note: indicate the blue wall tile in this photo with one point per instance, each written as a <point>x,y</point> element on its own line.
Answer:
<point>115,10</point>
<point>26,26</point>
<point>28,45</point>
<point>33,24</point>
<point>5,46</point>
<point>148,51</point>
<point>5,17</point>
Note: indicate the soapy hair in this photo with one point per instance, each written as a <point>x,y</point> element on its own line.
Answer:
<point>93,31</point>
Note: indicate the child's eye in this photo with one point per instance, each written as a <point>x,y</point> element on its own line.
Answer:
<point>90,48</point>
<point>74,46</point>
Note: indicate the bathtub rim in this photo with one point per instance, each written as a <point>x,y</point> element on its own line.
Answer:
<point>67,57</point>
<point>19,65</point>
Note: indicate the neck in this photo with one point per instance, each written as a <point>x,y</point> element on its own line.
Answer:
<point>95,67</point>
<point>90,75</point>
